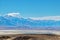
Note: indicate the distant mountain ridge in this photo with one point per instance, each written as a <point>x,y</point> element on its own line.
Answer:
<point>15,21</point>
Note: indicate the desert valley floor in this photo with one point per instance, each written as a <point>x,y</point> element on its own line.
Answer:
<point>29,35</point>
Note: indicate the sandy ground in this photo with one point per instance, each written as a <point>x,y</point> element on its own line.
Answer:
<point>29,35</point>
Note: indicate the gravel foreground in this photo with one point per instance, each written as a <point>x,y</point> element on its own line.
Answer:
<point>29,35</point>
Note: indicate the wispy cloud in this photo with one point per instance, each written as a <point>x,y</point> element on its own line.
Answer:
<point>56,18</point>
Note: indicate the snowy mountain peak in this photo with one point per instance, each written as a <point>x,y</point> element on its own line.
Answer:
<point>14,15</point>
<point>15,20</point>
<point>17,15</point>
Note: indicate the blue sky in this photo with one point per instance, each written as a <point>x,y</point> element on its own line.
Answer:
<point>31,8</point>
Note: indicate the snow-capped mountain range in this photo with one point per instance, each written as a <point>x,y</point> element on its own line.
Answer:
<point>16,21</point>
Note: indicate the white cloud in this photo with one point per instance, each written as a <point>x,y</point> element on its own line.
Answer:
<point>56,18</point>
